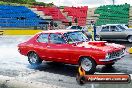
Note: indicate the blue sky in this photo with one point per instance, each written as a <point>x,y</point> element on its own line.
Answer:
<point>90,3</point>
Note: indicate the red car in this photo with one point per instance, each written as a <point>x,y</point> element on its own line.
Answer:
<point>70,47</point>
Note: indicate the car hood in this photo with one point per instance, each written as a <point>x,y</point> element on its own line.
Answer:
<point>129,29</point>
<point>101,45</point>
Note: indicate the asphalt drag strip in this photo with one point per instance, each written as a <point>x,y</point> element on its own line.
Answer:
<point>16,72</point>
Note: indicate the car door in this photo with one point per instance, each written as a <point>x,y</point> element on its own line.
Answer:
<point>57,48</point>
<point>116,33</point>
<point>41,45</point>
<point>105,33</point>
<point>121,32</point>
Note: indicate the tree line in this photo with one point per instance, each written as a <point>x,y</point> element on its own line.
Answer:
<point>30,2</point>
<point>20,1</point>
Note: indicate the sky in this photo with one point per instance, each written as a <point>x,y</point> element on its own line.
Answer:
<point>89,3</point>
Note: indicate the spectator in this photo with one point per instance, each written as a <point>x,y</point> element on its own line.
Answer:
<point>51,25</point>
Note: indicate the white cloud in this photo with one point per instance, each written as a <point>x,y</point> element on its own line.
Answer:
<point>89,3</point>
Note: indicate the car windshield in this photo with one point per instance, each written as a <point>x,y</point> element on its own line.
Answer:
<point>121,27</point>
<point>74,37</point>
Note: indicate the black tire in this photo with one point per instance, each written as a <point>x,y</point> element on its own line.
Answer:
<point>98,38</point>
<point>92,65</point>
<point>110,65</point>
<point>129,38</point>
<point>34,59</point>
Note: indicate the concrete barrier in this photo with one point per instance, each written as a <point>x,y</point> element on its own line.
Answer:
<point>130,50</point>
<point>19,32</point>
<point>1,32</point>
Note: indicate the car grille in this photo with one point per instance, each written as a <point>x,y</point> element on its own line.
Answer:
<point>117,54</point>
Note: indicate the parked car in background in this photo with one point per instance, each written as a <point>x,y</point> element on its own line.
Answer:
<point>84,28</point>
<point>80,28</point>
<point>114,31</point>
<point>70,47</point>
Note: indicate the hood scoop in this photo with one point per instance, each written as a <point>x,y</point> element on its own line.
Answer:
<point>97,43</point>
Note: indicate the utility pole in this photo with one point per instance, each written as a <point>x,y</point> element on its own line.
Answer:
<point>113,2</point>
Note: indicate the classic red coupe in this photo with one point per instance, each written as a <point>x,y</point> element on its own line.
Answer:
<point>70,47</point>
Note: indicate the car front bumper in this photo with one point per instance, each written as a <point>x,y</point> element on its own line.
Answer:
<point>112,59</point>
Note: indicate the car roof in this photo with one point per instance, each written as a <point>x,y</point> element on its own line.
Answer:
<point>112,24</point>
<point>59,31</point>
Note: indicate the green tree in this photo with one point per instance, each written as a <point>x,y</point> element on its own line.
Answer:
<point>19,1</point>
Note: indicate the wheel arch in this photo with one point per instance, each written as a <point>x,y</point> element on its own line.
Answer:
<point>128,36</point>
<point>29,52</point>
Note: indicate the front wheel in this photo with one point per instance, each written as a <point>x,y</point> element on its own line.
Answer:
<point>88,64</point>
<point>34,59</point>
<point>130,38</point>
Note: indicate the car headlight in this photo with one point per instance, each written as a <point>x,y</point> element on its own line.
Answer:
<point>124,50</point>
<point>107,56</point>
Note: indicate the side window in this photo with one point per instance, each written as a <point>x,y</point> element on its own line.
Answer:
<point>114,28</point>
<point>105,29</point>
<point>57,39</point>
<point>121,28</point>
<point>117,29</point>
<point>68,39</point>
<point>43,38</point>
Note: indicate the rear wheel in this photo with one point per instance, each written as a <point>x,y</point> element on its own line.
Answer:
<point>98,38</point>
<point>34,59</point>
<point>88,65</point>
<point>130,39</point>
